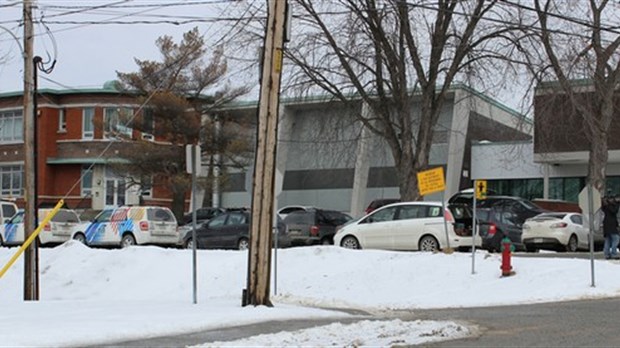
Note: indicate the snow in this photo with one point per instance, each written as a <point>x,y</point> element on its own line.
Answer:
<point>95,296</point>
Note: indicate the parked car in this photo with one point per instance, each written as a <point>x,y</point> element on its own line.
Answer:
<point>315,226</point>
<point>378,203</point>
<point>230,230</point>
<point>555,231</point>
<point>126,226</point>
<point>284,211</point>
<point>494,224</point>
<point>57,231</point>
<point>516,209</point>
<point>202,214</point>
<point>404,226</point>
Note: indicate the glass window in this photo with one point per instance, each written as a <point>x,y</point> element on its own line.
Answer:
<point>117,122</point>
<point>62,120</point>
<point>88,127</point>
<point>524,188</point>
<point>159,214</point>
<point>87,180</point>
<point>382,215</point>
<point>434,212</point>
<point>576,219</point>
<point>104,216</point>
<point>8,210</point>
<point>218,221</point>
<point>236,219</point>
<point>11,180</point>
<point>146,188</point>
<point>148,122</point>
<point>17,219</point>
<point>12,125</point>
<point>411,212</point>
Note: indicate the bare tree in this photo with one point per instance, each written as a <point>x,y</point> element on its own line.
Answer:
<point>571,44</point>
<point>384,53</point>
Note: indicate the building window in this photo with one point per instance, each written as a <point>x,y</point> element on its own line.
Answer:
<point>62,121</point>
<point>88,128</point>
<point>566,189</point>
<point>146,187</point>
<point>117,122</point>
<point>524,188</point>
<point>87,180</point>
<point>148,121</point>
<point>11,178</point>
<point>12,126</point>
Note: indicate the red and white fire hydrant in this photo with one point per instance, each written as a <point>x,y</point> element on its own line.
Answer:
<point>507,249</point>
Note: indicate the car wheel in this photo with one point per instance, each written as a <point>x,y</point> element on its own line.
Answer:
<point>243,244</point>
<point>189,244</point>
<point>350,242</point>
<point>128,240</point>
<point>80,237</point>
<point>326,241</point>
<point>572,244</point>
<point>530,248</point>
<point>428,243</point>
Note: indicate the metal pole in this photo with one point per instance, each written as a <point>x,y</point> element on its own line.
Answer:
<point>473,233</point>
<point>31,267</point>
<point>590,236</point>
<point>275,261</point>
<point>445,223</point>
<point>194,241</point>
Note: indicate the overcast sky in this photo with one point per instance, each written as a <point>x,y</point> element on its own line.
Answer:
<point>89,48</point>
<point>90,44</point>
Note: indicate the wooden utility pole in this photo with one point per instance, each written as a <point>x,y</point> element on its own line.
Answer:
<point>259,257</point>
<point>31,257</point>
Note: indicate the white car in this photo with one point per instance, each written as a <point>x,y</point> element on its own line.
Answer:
<point>403,226</point>
<point>58,231</point>
<point>555,231</point>
<point>126,226</point>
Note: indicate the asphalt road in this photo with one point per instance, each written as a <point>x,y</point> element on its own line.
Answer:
<point>590,323</point>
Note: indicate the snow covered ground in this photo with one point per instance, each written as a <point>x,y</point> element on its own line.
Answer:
<point>91,296</point>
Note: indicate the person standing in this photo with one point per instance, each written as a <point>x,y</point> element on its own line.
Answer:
<point>610,227</point>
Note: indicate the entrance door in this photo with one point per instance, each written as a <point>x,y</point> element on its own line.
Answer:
<point>115,192</point>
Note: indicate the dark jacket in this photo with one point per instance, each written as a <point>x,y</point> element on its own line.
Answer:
<point>610,221</point>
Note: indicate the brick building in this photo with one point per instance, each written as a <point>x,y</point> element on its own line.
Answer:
<point>77,144</point>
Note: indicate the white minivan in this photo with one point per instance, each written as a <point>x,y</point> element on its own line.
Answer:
<point>125,226</point>
<point>58,231</point>
<point>404,226</point>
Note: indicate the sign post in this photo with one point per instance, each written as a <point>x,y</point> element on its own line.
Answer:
<point>480,192</point>
<point>193,165</point>
<point>430,181</point>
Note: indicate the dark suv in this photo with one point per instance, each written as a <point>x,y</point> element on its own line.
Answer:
<point>315,226</point>
<point>202,215</point>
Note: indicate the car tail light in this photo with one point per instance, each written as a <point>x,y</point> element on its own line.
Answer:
<point>314,230</point>
<point>47,227</point>
<point>449,217</point>
<point>144,226</point>
<point>559,225</point>
<point>492,230</point>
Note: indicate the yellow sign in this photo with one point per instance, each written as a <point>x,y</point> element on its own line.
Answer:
<point>481,189</point>
<point>430,181</point>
